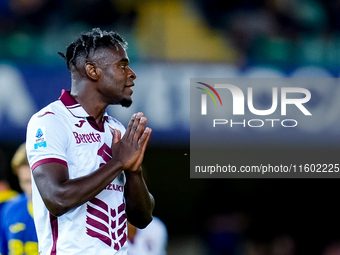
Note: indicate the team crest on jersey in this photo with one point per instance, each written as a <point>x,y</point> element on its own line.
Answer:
<point>40,138</point>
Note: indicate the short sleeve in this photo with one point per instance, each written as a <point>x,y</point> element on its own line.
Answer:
<point>46,140</point>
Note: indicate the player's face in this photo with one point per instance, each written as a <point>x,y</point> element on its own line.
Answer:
<point>24,176</point>
<point>118,78</point>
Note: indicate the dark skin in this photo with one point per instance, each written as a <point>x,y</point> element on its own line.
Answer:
<point>104,78</point>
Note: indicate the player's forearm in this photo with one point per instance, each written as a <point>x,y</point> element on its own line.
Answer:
<point>139,202</point>
<point>68,194</point>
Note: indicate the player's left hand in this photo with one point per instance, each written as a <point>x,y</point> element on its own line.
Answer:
<point>142,140</point>
<point>137,166</point>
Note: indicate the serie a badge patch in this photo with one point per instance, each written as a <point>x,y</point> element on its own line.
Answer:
<point>40,138</point>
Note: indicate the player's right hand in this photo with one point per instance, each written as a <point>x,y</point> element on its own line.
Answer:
<point>129,150</point>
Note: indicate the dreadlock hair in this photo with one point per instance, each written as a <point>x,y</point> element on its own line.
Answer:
<point>91,41</point>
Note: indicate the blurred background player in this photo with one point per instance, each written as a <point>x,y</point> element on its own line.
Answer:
<point>151,240</point>
<point>6,193</point>
<point>17,230</point>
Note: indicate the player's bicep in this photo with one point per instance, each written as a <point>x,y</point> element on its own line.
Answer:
<point>49,179</point>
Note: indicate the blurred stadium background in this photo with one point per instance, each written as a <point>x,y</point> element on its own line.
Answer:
<point>170,42</point>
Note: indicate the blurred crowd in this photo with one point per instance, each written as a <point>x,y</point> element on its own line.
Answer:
<point>228,234</point>
<point>286,32</point>
<point>279,32</point>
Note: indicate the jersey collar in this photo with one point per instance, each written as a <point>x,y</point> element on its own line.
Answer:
<point>72,105</point>
<point>78,111</point>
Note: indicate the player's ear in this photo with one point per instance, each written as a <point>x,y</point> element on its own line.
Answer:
<point>92,71</point>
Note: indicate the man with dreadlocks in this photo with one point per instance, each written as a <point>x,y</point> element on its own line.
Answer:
<point>87,177</point>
